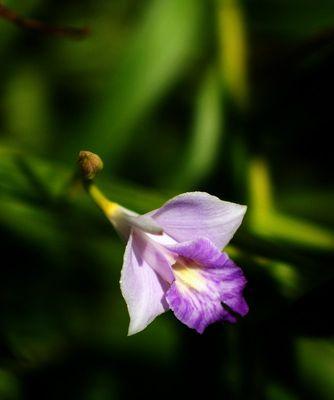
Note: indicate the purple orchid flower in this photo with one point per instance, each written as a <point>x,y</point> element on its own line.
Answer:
<point>173,257</point>
<point>173,261</point>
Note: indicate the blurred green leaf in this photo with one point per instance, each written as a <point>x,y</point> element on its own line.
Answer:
<point>292,230</point>
<point>267,221</point>
<point>206,135</point>
<point>276,391</point>
<point>315,359</point>
<point>233,50</point>
<point>37,192</point>
<point>302,203</point>
<point>27,110</point>
<point>152,61</point>
<point>9,386</point>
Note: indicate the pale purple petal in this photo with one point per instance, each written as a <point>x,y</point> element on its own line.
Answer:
<point>142,289</point>
<point>205,278</point>
<point>193,215</point>
<point>153,253</point>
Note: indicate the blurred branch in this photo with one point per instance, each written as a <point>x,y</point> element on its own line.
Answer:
<point>42,27</point>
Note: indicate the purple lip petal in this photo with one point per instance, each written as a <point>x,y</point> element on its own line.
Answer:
<point>194,310</point>
<point>204,279</point>
<point>193,215</point>
<point>142,289</point>
<point>234,284</point>
<point>201,250</point>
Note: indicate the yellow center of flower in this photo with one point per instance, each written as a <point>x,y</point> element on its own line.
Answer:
<point>188,275</point>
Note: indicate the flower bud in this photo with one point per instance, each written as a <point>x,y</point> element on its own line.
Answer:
<point>90,164</point>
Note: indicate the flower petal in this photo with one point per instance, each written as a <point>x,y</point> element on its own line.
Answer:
<point>201,250</point>
<point>124,220</point>
<point>154,254</point>
<point>234,283</point>
<point>197,214</point>
<point>204,278</point>
<point>146,224</point>
<point>142,289</point>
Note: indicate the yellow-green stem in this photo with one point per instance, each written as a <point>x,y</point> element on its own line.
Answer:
<point>108,207</point>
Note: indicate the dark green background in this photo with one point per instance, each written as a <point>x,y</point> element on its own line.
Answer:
<point>231,97</point>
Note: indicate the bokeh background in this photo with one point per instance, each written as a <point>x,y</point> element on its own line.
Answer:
<point>231,97</point>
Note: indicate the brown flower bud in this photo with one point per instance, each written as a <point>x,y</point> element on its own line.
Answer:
<point>90,164</point>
